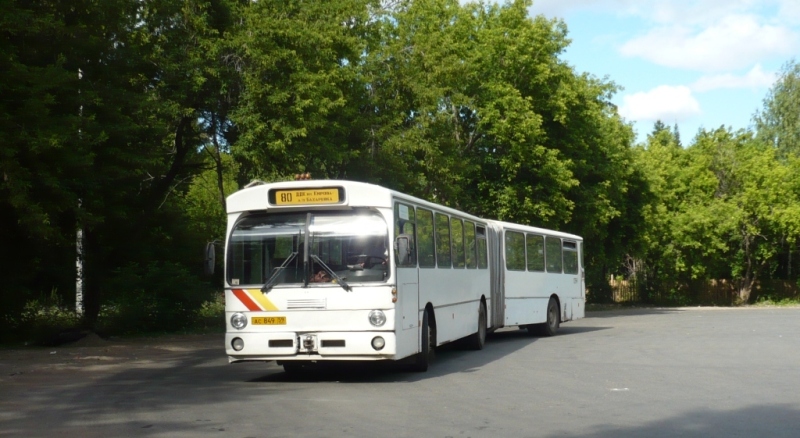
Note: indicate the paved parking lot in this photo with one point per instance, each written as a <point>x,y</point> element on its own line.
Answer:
<point>651,372</point>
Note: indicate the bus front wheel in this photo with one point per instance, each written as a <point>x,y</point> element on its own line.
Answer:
<point>428,344</point>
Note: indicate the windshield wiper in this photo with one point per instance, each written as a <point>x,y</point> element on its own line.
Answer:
<point>271,281</point>
<point>330,272</point>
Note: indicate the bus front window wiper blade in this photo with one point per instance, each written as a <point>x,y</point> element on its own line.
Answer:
<point>271,281</point>
<point>339,280</point>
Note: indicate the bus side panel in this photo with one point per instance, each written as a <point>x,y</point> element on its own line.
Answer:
<point>520,286</point>
<point>455,295</point>
<point>522,311</point>
<point>578,308</point>
<point>569,293</point>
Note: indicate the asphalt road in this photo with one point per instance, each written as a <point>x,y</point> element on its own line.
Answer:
<point>632,373</point>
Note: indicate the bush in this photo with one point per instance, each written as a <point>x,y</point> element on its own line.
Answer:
<point>42,321</point>
<point>158,297</point>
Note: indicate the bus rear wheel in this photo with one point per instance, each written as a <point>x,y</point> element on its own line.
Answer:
<point>550,327</point>
<point>477,340</point>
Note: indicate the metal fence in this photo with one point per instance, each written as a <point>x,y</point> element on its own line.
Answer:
<point>707,292</point>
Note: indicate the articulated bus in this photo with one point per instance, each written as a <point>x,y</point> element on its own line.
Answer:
<point>339,270</point>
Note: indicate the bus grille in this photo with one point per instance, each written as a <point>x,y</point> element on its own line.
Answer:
<point>281,343</point>
<point>307,304</point>
<point>333,343</point>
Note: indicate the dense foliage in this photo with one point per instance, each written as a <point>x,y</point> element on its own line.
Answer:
<point>131,121</point>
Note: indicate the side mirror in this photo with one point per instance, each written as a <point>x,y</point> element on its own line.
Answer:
<point>403,246</point>
<point>211,259</point>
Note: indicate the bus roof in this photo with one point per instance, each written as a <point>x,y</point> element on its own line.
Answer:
<point>357,194</point>
<point>537,230</point>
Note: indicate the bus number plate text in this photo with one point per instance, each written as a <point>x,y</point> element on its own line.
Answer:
<point>269,320</point>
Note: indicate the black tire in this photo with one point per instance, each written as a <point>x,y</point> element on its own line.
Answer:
<point>550,327</point>
<point>428,342</point>
<point>477,340</point>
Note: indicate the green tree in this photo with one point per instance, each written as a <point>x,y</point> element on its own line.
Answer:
<point>471,106</point>
<point>723,208</point>
<point>108,104</point>
<point>761,203</point>
<point>778,123</point>
<point>297,63</point>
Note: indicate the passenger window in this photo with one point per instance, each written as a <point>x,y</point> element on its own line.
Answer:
<point>425,246</point>
<point>458,242</point>
<point>469,240</point>
<point>483,262</point>
<point>553,254</point>
<point>443,254</point>
<point>515,251</point>
<point>570,258</point>
<point>535,250</point>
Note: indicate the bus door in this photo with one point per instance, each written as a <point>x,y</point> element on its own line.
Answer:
<point>573,273</point>
<point>580,303</point>
<point>407,307</point>
<point>497,274</point>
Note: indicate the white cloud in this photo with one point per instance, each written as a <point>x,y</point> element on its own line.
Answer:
<point>734,42</point>
<point>755,78</point>
<point>789,11</point>
<point>667,103</point>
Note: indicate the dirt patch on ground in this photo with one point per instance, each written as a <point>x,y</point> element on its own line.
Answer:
<point>93,351</point>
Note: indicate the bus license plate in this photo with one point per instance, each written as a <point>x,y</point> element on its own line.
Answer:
<point>269,320</point>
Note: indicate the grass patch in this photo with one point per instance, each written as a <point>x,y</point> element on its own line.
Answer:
<point>602,307</point>
<point>782,302</point>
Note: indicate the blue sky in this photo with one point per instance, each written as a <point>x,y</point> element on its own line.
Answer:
<point>700,64</point>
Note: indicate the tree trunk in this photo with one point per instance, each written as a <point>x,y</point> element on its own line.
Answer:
<point>745,289</point>
<point>91,281</point>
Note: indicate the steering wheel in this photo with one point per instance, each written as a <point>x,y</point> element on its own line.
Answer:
<point>368,259</point>
<point>364,261</point>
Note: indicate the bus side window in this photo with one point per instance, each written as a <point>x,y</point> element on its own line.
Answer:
<point>535,245</point>
<point>458,242</point>
<point>483,262</point>
<point>425,246</point>
<point>442,231</point>
<point>469,241</point>
<point>405,225</point>
<point>515,251</point>
<point>552,254</point>
<point>570,258</point>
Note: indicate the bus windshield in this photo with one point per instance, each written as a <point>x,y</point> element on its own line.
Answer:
<point>353,246</point>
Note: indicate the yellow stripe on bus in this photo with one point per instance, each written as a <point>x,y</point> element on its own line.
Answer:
<point>261,299</point>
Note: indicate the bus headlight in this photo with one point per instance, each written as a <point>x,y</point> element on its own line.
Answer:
<point>378,343</point>
<point>238,321</point>
<point>377,318</point>
<point>237,344</point>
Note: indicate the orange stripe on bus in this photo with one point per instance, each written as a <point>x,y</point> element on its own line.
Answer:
<point>245,299</point>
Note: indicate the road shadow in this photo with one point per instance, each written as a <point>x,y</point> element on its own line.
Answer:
<point>450,358</point>
<point>779,420</point>
<point>633,311</point>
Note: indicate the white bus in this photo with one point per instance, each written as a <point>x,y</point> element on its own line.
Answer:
<point>340,270</point>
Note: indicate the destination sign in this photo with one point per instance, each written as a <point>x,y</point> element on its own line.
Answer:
<point>307,196</point>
